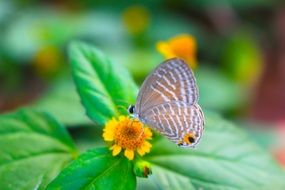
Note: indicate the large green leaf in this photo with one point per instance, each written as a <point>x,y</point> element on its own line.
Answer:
<point>34,148</point>
<point>105,88</point>
<point>225,159</point>
<point>87,137</point>
<point>96,169</point>
<point>63,103</point>
<point>164,179</point>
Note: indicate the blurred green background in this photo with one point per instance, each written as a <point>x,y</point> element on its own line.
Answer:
<point>240,55</point>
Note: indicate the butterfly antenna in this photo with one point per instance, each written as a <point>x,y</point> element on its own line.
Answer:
<point>142,131</point>
<point>121,107</point>
<point>122,101</point>
<point>122,104</point>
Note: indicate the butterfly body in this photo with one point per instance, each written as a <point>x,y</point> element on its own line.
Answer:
<point>167,102</point>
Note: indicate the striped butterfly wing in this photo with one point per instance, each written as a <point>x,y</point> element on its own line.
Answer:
<point>177,121</point>
<point>172,80</point>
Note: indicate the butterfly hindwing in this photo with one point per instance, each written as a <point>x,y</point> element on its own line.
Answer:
<point>176,120</point>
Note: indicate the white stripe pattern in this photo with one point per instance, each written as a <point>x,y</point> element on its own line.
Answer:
<point>167,102</point>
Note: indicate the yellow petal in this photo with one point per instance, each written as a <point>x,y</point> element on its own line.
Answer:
<point>109,136</point>
<point>111,123</point>
<point>109,130</point>
<point>165,50</point>
<point>146,146</point>
<point>129,154</point>
<point>141,151</point>
<point>122,118</point>
<point>116,149</point>
<point>148,133</point>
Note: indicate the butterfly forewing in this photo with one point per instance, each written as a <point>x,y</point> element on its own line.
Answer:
<point>175,120</point>
<point>171,81</point>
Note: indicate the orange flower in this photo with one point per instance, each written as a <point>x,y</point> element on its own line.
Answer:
<point>128,134</point>
<point>182,46</point>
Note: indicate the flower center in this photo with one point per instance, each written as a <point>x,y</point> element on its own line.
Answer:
<point>129,134</point>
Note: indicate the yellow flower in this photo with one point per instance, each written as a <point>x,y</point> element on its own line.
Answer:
<point>183,46</point>
<point>136,19</point>
<point>128,134</point>
<point>47,61</point>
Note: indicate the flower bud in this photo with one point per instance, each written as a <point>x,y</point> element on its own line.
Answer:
<point>142,168</point>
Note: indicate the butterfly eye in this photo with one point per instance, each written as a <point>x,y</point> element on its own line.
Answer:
<point>131,109</point>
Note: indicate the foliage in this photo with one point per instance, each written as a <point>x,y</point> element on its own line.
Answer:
<point>225,159</point>
<point>35,147</point>
<point>104,87</point>
<point>96,169</point>
<point>63,103</point>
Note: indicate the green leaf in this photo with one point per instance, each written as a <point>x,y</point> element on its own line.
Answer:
<point>225,159</point>
<point>225,94</point>
<point>34,148</point>
<point>88,137</point>
<point>169,180</point>
<point>62,101</point>
<point>96,169</point>
<point>105,88</point>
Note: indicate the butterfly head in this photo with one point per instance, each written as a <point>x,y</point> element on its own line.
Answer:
<point>131,109</point>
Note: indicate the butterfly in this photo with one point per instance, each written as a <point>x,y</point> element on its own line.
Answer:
<point>167,102</point>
